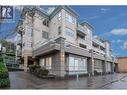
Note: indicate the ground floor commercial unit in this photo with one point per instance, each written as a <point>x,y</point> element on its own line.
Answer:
<point>62,60</point>
<point>74,64</point>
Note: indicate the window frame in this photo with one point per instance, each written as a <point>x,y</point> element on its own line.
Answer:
<point>70,32</point>
<point>71,19</point>
<point>46,35</point>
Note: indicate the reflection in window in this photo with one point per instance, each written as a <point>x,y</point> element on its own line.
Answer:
<point>48,63</point>
<point>70,19</point>
<point>77,64</point>
<point>69,32</point>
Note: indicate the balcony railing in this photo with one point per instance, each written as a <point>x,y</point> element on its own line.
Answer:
<point>82,41</point>
<point>40,43</point>
<point>99,42</point>
<point>81,29</point>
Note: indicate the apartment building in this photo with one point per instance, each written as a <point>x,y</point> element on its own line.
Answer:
<point>61,44</point>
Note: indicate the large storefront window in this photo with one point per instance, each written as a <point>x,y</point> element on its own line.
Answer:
<point>108,67</point>
<point>42,62</point>
<point>77,64</point>
<point>46,62</point>
<point>98,65</point>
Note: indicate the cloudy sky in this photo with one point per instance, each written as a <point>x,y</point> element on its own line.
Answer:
<point>109,22</point>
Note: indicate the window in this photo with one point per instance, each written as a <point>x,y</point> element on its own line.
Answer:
<point>29,32</point>
<point>46,22</point>
<point>42,62</point>
<point>81,37</point>
<point>59,30</point>
<point>69,32</point>
<point>83,46</point>
<point>70,19</point>
<point>44,35</point>
<point>29,44</point>
<point>77,64</point>
<point>71,63</point>
<point>59,16</point>
<point>98,65</point>
<point>48,63</point>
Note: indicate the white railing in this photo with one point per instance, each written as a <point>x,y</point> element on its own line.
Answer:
<point>99,50</point>
<point>99,42</point>
<point>75,45</point>
<point>41,43</point>
<point>81,28</point>
<point>82,41</point>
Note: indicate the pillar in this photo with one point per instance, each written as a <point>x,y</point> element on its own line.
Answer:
<point>61,56</point>
<point>104,66</point>
<point>112,67</point>
<point>25,63</point>
<point>90,66</point>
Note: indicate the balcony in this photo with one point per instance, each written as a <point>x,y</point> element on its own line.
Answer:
<point>45,47</point>
<point>82,41</point>
<point>99,42</point>
<point>81,30</point>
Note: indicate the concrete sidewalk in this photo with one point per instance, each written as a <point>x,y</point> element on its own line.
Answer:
<point>24,80</point>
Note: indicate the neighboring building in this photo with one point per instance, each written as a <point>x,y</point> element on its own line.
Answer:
<point>122,64</point>
<point>10,60</point>
<point>61,44</point>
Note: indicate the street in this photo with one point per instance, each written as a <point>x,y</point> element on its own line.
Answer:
<point>24,80</point>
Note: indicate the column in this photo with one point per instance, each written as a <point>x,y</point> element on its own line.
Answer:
<point>61,56</point>
<point>104,66</point>
<point>112,67</point>
<point>90,66</point>
<point>25,63</point>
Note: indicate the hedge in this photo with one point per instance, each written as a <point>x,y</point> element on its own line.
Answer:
<point>38,71</point>
<point>4,76</point>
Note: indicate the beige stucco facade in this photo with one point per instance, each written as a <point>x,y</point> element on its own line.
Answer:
<point>66,40</point>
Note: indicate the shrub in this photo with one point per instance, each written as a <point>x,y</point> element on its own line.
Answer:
<point>38,71</point>
<point>4,74</point>
<point>4,82</point>
<point>4,77</point>
<point>33,67</point>
<point>42,72</point>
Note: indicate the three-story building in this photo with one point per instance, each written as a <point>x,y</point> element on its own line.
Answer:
<point>61,44</point>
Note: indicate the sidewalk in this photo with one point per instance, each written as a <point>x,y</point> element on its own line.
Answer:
<point>24,80</point>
